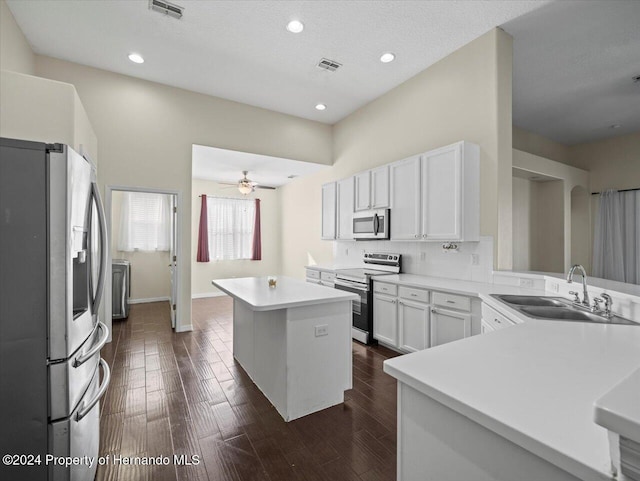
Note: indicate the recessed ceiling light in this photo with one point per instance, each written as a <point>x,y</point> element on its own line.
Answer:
<point>321,107</point>
<point>136,58</point>
<point>387,57</point>
<point>295,26</point>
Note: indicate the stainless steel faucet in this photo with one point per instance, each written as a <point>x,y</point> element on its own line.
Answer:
<point>585,294</point>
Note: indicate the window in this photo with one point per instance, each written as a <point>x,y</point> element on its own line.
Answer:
<point>230,225</point>
<point>144,222</point>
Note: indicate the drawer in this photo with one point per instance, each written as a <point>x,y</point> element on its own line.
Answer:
<point>413,294</point>
<point>328,276</point>
<point>494,318</point>
<point>313,274</point>
<point>452,301</point>
<point>384,288</point>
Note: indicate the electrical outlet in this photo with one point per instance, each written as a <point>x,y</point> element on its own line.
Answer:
<point>526,283</point>
<point>346,251</point>
<point>423,256</point>
<point>322,330</point>
<point>555,287</point>
<point>475,259</point>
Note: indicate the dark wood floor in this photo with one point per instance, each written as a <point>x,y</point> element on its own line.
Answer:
<point>185,394</point>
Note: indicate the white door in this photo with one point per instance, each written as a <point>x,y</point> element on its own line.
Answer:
<point>413,323</point>
<point>380,187</point>
<point>345,209</point>
<point>329,211</point>
<point>173,258</point>
<point>363,191</point>
<point>405,199</point>
<point>448,326</point>
<point>385,319</point>
<point>441,196</point>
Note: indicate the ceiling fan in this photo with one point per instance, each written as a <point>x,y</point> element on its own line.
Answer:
<point>246,186</point>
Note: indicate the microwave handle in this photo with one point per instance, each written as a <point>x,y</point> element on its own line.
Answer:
<point>375,224</point>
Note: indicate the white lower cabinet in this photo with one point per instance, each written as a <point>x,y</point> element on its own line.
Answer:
<point>385,319</point>
<point>492,320</point>
<point>447,326</point>
<point>413,322</point>
<point>485,327</point>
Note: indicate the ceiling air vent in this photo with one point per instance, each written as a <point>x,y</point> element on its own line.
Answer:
<point>167,8</point>
<point>330,65</point>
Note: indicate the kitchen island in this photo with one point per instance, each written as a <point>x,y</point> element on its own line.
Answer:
<point>293,340</point>
<point>517,403</point>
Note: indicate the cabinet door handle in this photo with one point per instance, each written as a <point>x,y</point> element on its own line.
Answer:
<point>497,320</point>
<point>433,311</point>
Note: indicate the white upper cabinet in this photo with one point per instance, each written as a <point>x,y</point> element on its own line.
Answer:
<point>380,187</point>
<point>363,191</point>
<point>436,196</point>
<point>406,217</point>
<point>345,199</point>
<point>372,189</point>
<point>329,211</point>
<point>451,193</point>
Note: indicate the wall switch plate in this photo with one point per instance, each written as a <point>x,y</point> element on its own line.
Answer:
<point>346,251</point>
<point>526,283</point>
<point>475,259</point>
<point>555,287</point>
<point>322,330</point>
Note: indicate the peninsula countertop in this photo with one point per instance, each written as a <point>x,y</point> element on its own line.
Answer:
<point>534,383</point>
<point>289,292</point>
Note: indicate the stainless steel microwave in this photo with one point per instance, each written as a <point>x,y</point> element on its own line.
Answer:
<point>371,224</point>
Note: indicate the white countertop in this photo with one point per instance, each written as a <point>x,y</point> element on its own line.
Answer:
<point>331,267</point>
<point>534,383</point>
<point>619,409</point>
<point>457,286</point>
<point>255,292</point>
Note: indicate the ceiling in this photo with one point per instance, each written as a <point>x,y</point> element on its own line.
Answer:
<point>574,60</point>
<point>573,70</point>
<point>211,163</point>
<point>240,50</point>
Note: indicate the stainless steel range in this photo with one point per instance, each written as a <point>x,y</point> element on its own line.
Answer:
<point>360,282</point>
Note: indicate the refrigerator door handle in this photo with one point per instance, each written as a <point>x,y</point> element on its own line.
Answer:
<point>103,248</point>
<point>125,282</point>
<point>78,361</point>
<point>88,406</point>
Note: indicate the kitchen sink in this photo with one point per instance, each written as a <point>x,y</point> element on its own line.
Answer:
<point>533,300</point>
<point>557,309</point>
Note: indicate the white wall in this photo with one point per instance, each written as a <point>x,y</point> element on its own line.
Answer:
<point>270,227</point>
<point>465,96</point>
<point>150,276</point>
<point>146,132</point>
<point>551,208</point>
<point>15,52</point>
<point>522,220</point>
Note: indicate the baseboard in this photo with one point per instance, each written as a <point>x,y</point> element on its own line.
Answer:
<point>208,294</point>
<point>148,299</point>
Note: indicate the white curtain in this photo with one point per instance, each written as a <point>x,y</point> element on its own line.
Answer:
<point>616,244</point>
<point>145,222</point>
<point>230,228</point>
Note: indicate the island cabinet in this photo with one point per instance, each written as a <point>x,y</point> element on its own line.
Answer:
<point>293,341</point>
<point>435,196</point>
<point>329,211</point>
<point>372,189</point>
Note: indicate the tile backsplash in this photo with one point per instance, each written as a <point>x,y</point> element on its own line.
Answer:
<point>472,261</point>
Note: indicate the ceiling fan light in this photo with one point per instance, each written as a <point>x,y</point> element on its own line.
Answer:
<point>245,188</point>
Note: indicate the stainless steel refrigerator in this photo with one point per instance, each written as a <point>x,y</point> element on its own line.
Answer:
<point>52,271</point>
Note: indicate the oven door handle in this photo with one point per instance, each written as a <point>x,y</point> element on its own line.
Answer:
<point>88,406</point>
<point>350,285</point>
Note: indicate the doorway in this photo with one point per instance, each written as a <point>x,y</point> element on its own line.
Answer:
<point>144,231</point>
